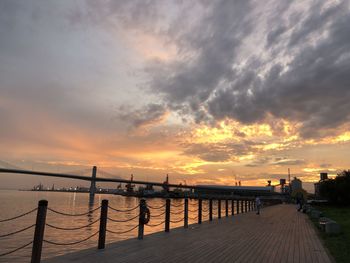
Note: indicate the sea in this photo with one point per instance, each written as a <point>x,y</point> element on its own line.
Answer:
<point>13,203</point>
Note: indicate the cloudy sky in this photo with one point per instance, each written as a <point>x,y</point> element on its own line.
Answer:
<point>206,91</point>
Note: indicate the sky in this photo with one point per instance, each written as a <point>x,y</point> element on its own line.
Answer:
<point>209,92</point>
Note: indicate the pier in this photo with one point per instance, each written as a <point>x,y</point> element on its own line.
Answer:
<point>278,234</point>
<point>226,229</point>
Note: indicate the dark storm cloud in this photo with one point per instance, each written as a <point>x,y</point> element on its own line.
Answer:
<point>325,165</point>
<point>259,162</point>
<point>314,90</point>
<point>150,114</point>
<point>220,152</point>
<point>277,161</point>
<point>312,85</point>
<point>142,14</point>
<point>283,162</point>
<point>300,74</point>
<point>315,21</point>
<point>213,44</point>
<point>274,34</point>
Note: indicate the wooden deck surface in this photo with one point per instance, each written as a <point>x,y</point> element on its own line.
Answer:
<point>278,234</point>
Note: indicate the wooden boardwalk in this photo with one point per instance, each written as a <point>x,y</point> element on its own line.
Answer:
<point>278,234</point>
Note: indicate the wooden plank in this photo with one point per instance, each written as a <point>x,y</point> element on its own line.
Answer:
<point>278,234</point>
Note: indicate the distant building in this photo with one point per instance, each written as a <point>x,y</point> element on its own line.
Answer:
<point>234,190</point>
<point>296,184</point>
<point>287,189</point>
<point>323,177</point>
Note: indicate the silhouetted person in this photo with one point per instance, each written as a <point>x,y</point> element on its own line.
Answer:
<point>258,205</point>
<point>300,201</point>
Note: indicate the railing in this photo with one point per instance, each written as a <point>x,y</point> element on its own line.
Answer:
<point>145,215</point>
<point>22,246</point>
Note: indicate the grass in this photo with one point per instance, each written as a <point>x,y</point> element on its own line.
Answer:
<point>338,245</point>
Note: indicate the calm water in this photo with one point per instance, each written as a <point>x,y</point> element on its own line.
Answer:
<point>13,203</point>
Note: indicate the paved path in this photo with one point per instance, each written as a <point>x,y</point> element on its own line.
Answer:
<point>279,234</point>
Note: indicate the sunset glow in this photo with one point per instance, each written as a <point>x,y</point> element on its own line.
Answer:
<point>207,92</point>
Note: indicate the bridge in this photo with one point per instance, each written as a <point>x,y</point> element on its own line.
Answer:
<point>94,178</point>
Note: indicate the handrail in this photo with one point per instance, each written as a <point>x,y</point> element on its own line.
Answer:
<point>122,221</point>
<point>172,215</point>
<point>66,214</point>
<point>154,207</point>
<point>72,243</point>
<point>18,231</point>
<point>73,228</point>
<point>158,214</point>
<point>125,210</point>
<point>16,249</point>
<point>18,216</point>
<point>150,225</point>
<point>122,232</point>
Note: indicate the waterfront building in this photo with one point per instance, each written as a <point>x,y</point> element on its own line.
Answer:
<point>296,184</point>
<point>234,190</point>
<point>323,177</point>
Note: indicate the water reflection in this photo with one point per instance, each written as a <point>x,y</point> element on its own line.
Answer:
<point>79,203</point>
<point>90,213</point>
<point>129,201</point>
<point>91,200</point>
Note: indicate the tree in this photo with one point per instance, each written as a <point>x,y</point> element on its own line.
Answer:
<point>337,190</point>
<point>301,193</point>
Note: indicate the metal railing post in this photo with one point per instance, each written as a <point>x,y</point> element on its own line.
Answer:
<point>199,211</point>
<point>219,208</point>
<point>39,231</point>
<point>167,215</point>
<point>142,213</point>
<point>232,207</point>
<point>186,214</point>
<point>103,224</point>
<point>210,209</point>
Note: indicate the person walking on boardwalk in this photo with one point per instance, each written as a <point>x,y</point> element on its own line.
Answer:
<point>258,205</point>
<point>299,200</point>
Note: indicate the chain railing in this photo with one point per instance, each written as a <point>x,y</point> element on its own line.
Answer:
<point>122,232</point>
<point>179,213</point>
<point>159,215</point>
<point>16,232</point>
<point>72,228</point>
<point>123,210</point>
<point>66,214</point>
<point>18,216</point>
<point>155,225</point>
<point>193,218</point>
<point>155,207</point>
<point>70,243</point>
<point>15,250</point>
<point>124,220</point>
